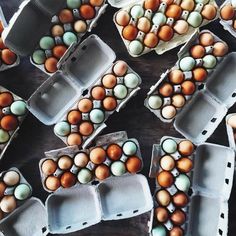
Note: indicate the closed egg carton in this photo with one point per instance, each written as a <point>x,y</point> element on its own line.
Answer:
<point>168,29</point>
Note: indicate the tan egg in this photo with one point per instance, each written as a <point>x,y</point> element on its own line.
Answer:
<point>162,214</point>
<point>184,165</point>
<point>178,100</point>
<point>163,197</point>
<point>209,12</point>
<point>220,49</point>
<point>122,18</point>
<point>80,26</point>
<point>65,162</point>
<point>102,172</point>
<point>180,199</point>
<point>186,148</point>
<point>197,51</point>
<point>151,40</point>
<point>2,189</point>
<point>52,183</point>
<point>234,24</point>
<point>85,105</point>
<point>187,5</point>
<point>81,159</point>
<point>57,30</point>
<point>181,27</point>
<point>232,121</point>
<point>74,139</point>
<point>168,112</point>
<point>8,204</point>
<point>227,12</point>
<point>109,81</point>
<point>144,24</point>
<point>167,163</point>
<point>165,179</point>
<point>49,167</point>
<point>206,39</point>
<point>97,155</point>
<point>176,76</point>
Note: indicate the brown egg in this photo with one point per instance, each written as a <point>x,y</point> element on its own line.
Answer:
<point>52,183</point>
<point>8,204</point>
<point>178,100</point>
<point>58,51</point>
<point>68,180</point>
<point>187,5</point>
<point>165,33</point>
<point>6,99</point>
<point>66,16</point>
<point>220,49</point>
<point>151,40</point>
<point>86,128</point>
<point>173,11</point>
<point>9,122</point>
<point>199,74</point>
<point>51,64</point>
<point>120,68</point>
<point>57,31</point>
<point>102,172</point>
<point>49,167</point>
<point>8,57</point>
<point>97,155</point>
<point>80,26</point>
<point>167,163</point>
<point>178,217</point>
<point>133,164</point>
<point>85,105</point>
<point>81,159</point>
<point>162,214</point>
<point>144,24</point>
<point>114,152</point>
<point>186,148</point>
<point>122,18</point>
<point>180,199</point>
<point>176,231</point>
<point>87,11</point>
<point>184,165</point>
<point>109,81</point>
<point>65,162</point>
<point>74,117</point>
<point>1,27</point>
<point>234,24</point>
<point>130,32</point>
<point>209,12</point>
<point>98,93</point>
<point>176,76</point>
<point>96,3</point>
<point>166,89</point>
<point>74,139</point>
<point>163,197</point>
<point>197,51</point>
<point>165,179</point>
<point>206,39</point>
<point>2,45</point>
<point>109,103</point>
<point>188,87</point>
<point>2,189</point>
<point>227,12</point>
<point>151,4</point>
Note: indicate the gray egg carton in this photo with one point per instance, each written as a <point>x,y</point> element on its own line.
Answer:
<point>212,179</point>
<point>230,132</point>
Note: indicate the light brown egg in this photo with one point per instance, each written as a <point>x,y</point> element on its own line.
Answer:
<point>176,76</point>
<point>184,165</point>
<point>227,12</point>
<point>151,40</point>
<point>109,103</point>
<point>85,105</point>
<point>58,51</point>
<point>168,112</point>
<point>163,197</point>
<point>173,11</point>
<point>68,180</point>
<point>165,33</point>
<point>186,148</point>
<point>6,99</point>
<point>188,87</point>
<point>234,24</point>
<point>206,39</point>
<point>66,16</point>
<point>181,27</point>
<point>87,11</point>
<point>98,93</point>
<point>120,68</point>
<point>178,100</point>
<point>74,139</point>
<point>51,64</point>
<point>9,122</point>
<point>86,128</point>
<point>57,30</point>
<point>1,27</point>
<point>144,24</point>
<point>209,12</point>
<point>8,204</point>
<point>176,231</point>
<point>96,3</point>
<point>165,179</point>
<point>52,183</point>
<point>80,26</point>
<point>109,81</point>
<point>187,5</point>
<point>11,178</point>
<point>180,199</point>
<point>166,89</point>
<point>122,18</point>
<point>162,214</point>
<point>102,172</point>
<point>130,32</point>
<point>65,162</point>
<point>151,4</point>
<point>97,155</point>
<point>167,163</point>
<point>220,49</point>
<point>8,57</point>
<point>199,74</point>
<point>133,164</point>
<point>81,159</point>
<point>2,189</point>
<point>178,217</point>
<point>114,152</point>
<point>74,117</point>
<point>49,167</point>
<point>197,51</point>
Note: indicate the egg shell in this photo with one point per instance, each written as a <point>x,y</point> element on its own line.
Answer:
<point>49,167</point>
<point>130,32</point>
<point>165,33</point>
<point>184,165</point>
<point>178,100</point>
<point>180,199</point>
<point>51,64</point>
<point>155,102</point>
<point>86,128</point>
<point>206,39</point>
<point>118,168</point>
<point>166,89</point>
<point>114,152</point>
<point>66,16</point>
<point>1,27</point>
<point>39,57</point>
<point>195,19</point>
<point>131,81</point>
<point>159,231</point>
<point>46,43</point>
<point>109,103</point>
<point>80,26</point>
<point>187,63</point>
<point>187,5</point>
<point>87,12</point>
<point>136,47</point>
<point>199,74</point>
<point>120,68</point>
<point>11,178</point>
<point>18,108</point>
<point>133,164</point>
<point>84,176</point>
<point>159,19</point>
<point>120,91</point>
<point>137,11</point>
<point>197,51</point>
<point>163,197</point>
<point>69,38</point>
<point>169,146</point>
<point>188,87</point>
<point>62,128</point>
<point>168,112</point>
<point>96,3</point>
<point>168,2</point>
<point>98,93</point>
<point>68,180</point>
<point>151,4</point>
<point>165,179</point>
<point>234,24</point>
<point>9,122</point>
<point>167,163</point>
<point>176,76</point>
<point>209,12</point>
<point>97,116</point>
<point>178,217</point>
<point>129,148</point>
<point>176,231</point>
<point>57,31</point>
<point>182,182</point>
<point>4,136</point>
<point>209,61</point>
<point>173,11</point>
<point>161,214</point>
<point>2,45</point>
<point>52,183</point>
<point>181,27</point>
<point>122,18</point>
<point>220,49</point>
<point>109,81</point>
<point>227,12</point>
<point>85,105</point>
<point>58,51</point>
<point>73,4</point>
<point>151,40</point>
<point>6,99</point>
<point>65,162</point>
<point>8,204</point>
<point>74,117</point>
<point>2,189</point>
<point>144,24</point>
<point>8,57</point>
<point>232,121</point>
<point>81,159</point>
<point>74,139</point>
<point>186,148</point>
<point>97,155</point>
<point>22,192</point>
<point>102,172</point>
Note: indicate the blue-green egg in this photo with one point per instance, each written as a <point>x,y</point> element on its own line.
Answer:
<point>159,231</point>
<point>84,176</point>
<point>39,57</point>
<point>131,80</point>
<point>62,128</point>
<point>202,1</point>
<point>155,102</point>
<point>159,19</point>
<point>46,43</point>
<point>209,61</point>
<point>4,136</point>
<point>18,108</point>
<point>130,148</point>
<point>182,182</point>
<point>137,11</point>
<point>22,192</point>
<point>194,19</point>
<point>97,116</point>
<point>136,47</point>
<point>120,91</point>
<point>169,146</point>
<point>73,4</point>
<point>69,38</point>
<point>187,64</point>
<point>118,168</point>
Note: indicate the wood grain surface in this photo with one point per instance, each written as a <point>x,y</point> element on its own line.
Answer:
<point>35,138</point>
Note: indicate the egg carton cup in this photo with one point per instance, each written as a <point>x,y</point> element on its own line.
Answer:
<point>80,71</point>
<point>162,46</point>
<point>17,62</point>
<point>212,179</point>
<point>230,131</point>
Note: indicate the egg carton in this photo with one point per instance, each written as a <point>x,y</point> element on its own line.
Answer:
<point>230,131</point>
<point>3,66</point>
<point>212,179</point>
<point>60,93</point>
<point>119,138</point>
<point>7,111</point>
<point>162,46</point>
<point>41,13</point>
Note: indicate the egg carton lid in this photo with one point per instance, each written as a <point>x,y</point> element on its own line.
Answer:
<point>113,199</point>
<point>80,68</point>
<point>29,24</point>
<point>123,3</point>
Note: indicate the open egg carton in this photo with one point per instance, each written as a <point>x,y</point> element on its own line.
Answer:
<point>182,212</point>
<point>231,129</point>
<point>8,59</point>
<point>152,25</point>
<point>62,23</point>
<point>13,112</point>
<point>113,155</point>
<point>84,92</point>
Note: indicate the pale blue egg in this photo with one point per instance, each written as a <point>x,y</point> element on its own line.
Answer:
<point>209,61</point>
<point>194,19</point>
<point>22,192</point>
<point>136,47</point>
<point>182,182</point>
<point>18,108</point>
<point>73,4</point>
<point>69,38</point>
<point>62,128</point>
<point>131,80</point>
<point>155,102</point>
<point>187,64</point>
<point>97,116</point>
<point>46,43</point>
<point>137,11</point>
<point>120,91</point>
<point>130,148</point>
<point>84,176</point>
<point>39,57</point>
<point>169,146</point>
<point>118,168</point>
<point>159,19</point>
<point>159,231</point>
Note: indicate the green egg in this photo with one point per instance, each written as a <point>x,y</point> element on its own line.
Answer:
<point>159,19</point>
<point>202,1</point>
<point>73,4</point>
<point>39,57</point>
<point>22,192</point>
<point>118,168</point>
<point>130,148</point>
<point>136,47</point>
<point>62,128</point>
<point>84,176</point>
<point>209,61</point>
<point>155,102</point>
<point>69,38</point>
<point>194,19</point>
<point>47,43</point>
<point>182,182</point>
<point>131,80</point>
<point>137,11</point>
<point>97,116</point>
<point>120,91</point>
<point>169,146</point>
<point>159,231</point>
<point>18,108</point>
<point>187,64</point>
<point>4,136</point>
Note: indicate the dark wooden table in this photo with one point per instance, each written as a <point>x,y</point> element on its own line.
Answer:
<point>35,138</point>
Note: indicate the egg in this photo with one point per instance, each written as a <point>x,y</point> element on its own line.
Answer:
<point>206,39</point>
<point>155,102</point>
<point>97,116</point>
<point>188,87</point>
<point>232,121</point>
<point>150,40</point>
<point>180,199</point>
<point>187,5</point>
<point>85,105</point>
<point>46,43</point>
<point>199,74</point>
<point>176,76</point>
<point>130,148</point>
<point>176,231</point>
<point>227,12</point>
<point>184,165</point>
<point>168,112</point>
<point>173,11</point>
<point>114,152</point>
<point>87,12</point>
<point>136,47</point>
<point>169,146</point>
<point>97,155</point>
<point>1,27</point>
<point>9,122</point>
<point>130,32</point>
<point>52,183</point>
<point>168,2</point>
<point>133,164</point>
<point>137,11</point>
<point>84,176</point>
<point>178,100</point>
<point>163,197</point>
<point>22,192</point>
<point>186,148</point>
<point>57,31</point>
<point>187,63</point>
<point>59,51</point>
<point>181,27</point>
<point>73,4</point>
<point>120,68</point>
<point>39,57</point>
<point>96,3</point>
<point>131,81</point>
<point>66,16</point>
<point>144,24</point>
<point>11,178</point>
<point>8,204</point>
<point>203,2</point>
<point>80,26</point>
<point>178,217</point>
<point>159,231</point>
<point>2,189</point>
<point>51,64</point>
<point>69,38</point>
<point>209,61</point>
<point>98,93</point>
<point>162,214</point>
<point>118,168</point>
<point>120,91</point>
<point>182,182</point>
<point>74,117</point>
<point>102,172</point>
<point>8,57</point>
<point>86,128</point>
<point>165,33</point>
<point>109,81</point>
<point>65,162</point>
<point>209,12</point>
<point>2,46</point>
<point>49,167</point>
<point>220,49</point>
<point>81,159</point>
<point>234,24</point>
<point>109,103</point>
<point>62,129</point>
<point>74,139</point>
<point>166,89</point>
<point>167,163</point>
<point>151,4</point>
<point>165,179</point>
<point>197,51</point>
<point>18,108</point>
<point>194,19</point>
<point>159,19</point>
<point>6,99</point>
<point>122,18</point>
<point>68,180</point>
<point>4,136</point>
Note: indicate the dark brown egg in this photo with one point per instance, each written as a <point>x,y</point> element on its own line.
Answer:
<point>133,164</point>
<point>6,99</point>
<point>197,51</point>
<point>98,93</point>
<point>180,199</point>
<point>58,51</point>
<point>74,117</point>
<point>165,179</point>
<point>184,165</point>
<point>188,87</point>
<point>162,214</point>
<point>165,33</point>
<point>97,155</point>
<point>68,180</point>
<point>66,16</point>
<point>176,231</point>
<point>49,167</point>
<point>114,152</point>
<point>166,90</point>
<point>199,74</point>
<point>176,76</point>
<point>86,128</point>
<point>186,148</point>
<point>178,217</point>
<point>1,27</point>
<point>9,122</point>
<point>87,11</point>
<point>109,103</point>
<point>85,105</point>
<point>173,11</point>
<point>102,172</point>
<point>8,57</point>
